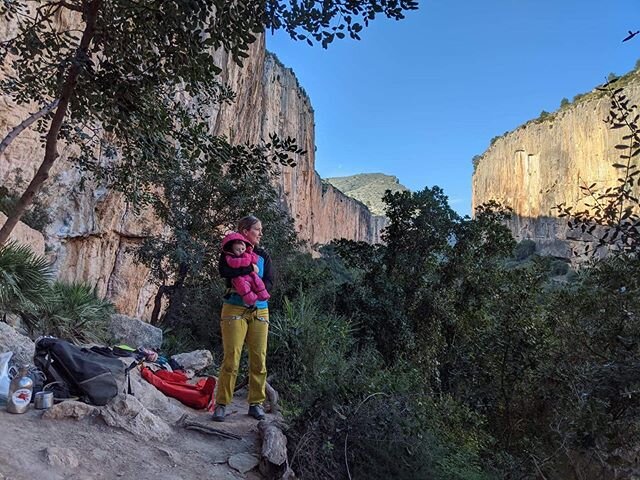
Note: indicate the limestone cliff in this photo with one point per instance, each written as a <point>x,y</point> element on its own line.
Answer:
<point>93,230</point>
<point>544,162</point>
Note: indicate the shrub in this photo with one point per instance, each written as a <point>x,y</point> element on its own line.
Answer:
<point>476,161</point>
<point>559,267</point>
<point>564,102</point>
<point>593,365</point>
<point>24,279</point>
<point>73,313</point>
<point>578,97</point>
<point>524,249</point>
<point>308,351</point>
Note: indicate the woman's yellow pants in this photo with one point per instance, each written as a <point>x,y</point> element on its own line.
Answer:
<point>239,326</point>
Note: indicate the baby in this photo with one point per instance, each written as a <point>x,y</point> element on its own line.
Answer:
<point>238,253</point>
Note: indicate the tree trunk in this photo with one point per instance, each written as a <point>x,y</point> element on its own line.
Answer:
<point>173,315</point>
<point>273,453</point>
<point>157,304</point>
<point>17,130</point>
<point>51,146</point>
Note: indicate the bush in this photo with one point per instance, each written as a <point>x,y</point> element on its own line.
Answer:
<point>308,352</point>
<point>593,370</point>
<point>524,249</point>
<point>544,115</point>
<point>72,312</point>
<point>559,267</point>
<point>24,279</point>
<point>476,161</point>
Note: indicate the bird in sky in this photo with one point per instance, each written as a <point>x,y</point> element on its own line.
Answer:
<point>631,35</point>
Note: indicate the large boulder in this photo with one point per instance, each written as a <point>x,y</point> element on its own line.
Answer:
<point>153,399</point>
<point>196,360</point>
<point>13,341</point>
<point>134,332</point>
<point>126,412</point>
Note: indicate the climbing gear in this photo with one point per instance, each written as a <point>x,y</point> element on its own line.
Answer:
<point>219,413</point>
<point>256,411</point>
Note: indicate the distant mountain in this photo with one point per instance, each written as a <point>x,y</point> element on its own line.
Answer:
<point>368,188</point>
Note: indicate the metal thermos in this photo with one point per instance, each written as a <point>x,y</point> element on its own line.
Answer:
<point>20,391</point>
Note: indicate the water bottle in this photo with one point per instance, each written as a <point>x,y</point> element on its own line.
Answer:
<point>20,391</point>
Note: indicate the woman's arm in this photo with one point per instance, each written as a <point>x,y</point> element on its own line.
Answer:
<point>228,272</point>
<point>268,276</point>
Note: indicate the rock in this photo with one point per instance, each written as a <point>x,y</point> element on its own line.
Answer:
<point>13,341</point>
<point>126,412</point>
<point>173,456</point>
<point>196,360</point>
<point>24,234</point>
<point>61,457</point>
<point>70,409</point>
<point>134,332</point>
<point>222,472</point>
<point>243,462</point>
<point>167,408</point>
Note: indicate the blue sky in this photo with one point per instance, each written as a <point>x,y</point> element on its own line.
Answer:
<point>420,97</point>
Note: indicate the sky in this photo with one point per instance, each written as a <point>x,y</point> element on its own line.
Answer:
<point>418,98</point>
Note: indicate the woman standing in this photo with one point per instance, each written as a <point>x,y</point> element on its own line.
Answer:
<point>240,324</point>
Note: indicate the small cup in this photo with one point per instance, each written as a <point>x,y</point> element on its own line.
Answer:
<point>43,400</point>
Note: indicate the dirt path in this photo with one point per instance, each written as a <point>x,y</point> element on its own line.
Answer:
<point>35,448</point>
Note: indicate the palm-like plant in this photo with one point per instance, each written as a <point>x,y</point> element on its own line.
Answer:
<point>74,313</point>
<point>24,279</point>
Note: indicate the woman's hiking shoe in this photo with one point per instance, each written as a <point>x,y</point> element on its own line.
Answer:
<point>256,411</point>
<point>219,413</point>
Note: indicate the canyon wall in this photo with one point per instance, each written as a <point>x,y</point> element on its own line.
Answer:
<point>543,163</point>
<point>92,231</point>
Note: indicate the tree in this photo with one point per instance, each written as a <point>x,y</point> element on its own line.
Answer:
<point>475,161</point>
<point>122,72</point>
<point>197,196</point>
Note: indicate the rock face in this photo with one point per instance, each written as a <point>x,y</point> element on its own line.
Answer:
<point>543,163</point>
<point>321,213</point>
<point>93,231</point>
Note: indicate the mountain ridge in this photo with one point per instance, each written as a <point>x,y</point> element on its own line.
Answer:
<point>367,188</point>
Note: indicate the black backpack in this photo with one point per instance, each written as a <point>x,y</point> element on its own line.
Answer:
<point>72,371</point>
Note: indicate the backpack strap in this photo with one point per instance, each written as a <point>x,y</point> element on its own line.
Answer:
<point>127,373</point>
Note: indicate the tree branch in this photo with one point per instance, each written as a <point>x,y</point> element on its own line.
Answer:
<point>18,129</point>
<point>51,146</point>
